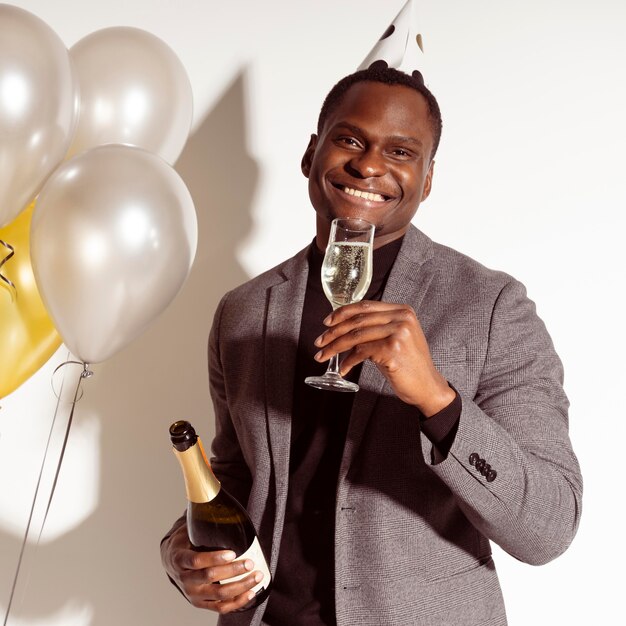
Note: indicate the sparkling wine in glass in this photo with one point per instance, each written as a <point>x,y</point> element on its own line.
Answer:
<point>346,276</point>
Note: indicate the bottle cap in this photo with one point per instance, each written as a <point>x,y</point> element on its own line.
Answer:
<point>183,435</point>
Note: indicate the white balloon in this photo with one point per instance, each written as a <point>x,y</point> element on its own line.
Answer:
<point>134,90</point>
<point>38,107</point>
<point>113,237</point>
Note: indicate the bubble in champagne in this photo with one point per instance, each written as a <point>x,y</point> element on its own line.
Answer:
<point>346,272</point>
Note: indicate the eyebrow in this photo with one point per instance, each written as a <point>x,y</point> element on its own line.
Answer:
<point>393,139</point>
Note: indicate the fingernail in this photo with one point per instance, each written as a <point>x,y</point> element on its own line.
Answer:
<point>318,356</point>
<point>258,577</point>
<point>252,595</point>
<point>318,341</point>
<point>229,556</point>
<point>328,320</point>
<point>249,565</point>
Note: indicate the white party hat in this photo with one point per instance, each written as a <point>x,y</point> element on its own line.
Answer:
<point>401,45</point>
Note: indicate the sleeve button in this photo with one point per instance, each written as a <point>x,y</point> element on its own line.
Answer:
<point>491,476</point>
<point>473,458</point>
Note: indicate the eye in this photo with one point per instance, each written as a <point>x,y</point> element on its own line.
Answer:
<point>401,152</point>
<point>348,141</point>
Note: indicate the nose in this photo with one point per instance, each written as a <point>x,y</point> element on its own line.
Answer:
<point>367,164</point>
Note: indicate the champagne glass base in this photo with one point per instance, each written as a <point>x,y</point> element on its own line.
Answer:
<point>332,382</point>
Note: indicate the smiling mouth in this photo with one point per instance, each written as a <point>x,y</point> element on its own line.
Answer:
<point>366,195</point>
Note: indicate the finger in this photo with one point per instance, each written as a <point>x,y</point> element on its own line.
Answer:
<point>195,560</point>
<point>364,306</point>
<point>346,336</point>
<point>228,590</point>
<point>216,573</point>
<point>369,316</point>
<point>228,606</point>
<point>362,320</point>
<point>227,596</point>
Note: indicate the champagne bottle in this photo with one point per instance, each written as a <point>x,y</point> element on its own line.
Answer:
<point>215,520</point>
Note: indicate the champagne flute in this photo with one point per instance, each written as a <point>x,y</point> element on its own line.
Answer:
<point>346,276</point>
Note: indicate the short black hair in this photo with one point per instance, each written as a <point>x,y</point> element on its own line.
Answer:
<point>379,72</point>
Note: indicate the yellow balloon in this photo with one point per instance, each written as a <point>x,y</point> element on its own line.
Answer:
<point>27,336</point>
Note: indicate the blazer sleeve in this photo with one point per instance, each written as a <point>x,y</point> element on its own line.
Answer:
<point>227,459</point>
<point>528,496</point>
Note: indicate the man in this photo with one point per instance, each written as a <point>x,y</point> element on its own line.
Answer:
<point>378,507</point>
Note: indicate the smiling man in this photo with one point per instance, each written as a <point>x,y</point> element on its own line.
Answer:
<point>371,160</point>
<point>379,507</point>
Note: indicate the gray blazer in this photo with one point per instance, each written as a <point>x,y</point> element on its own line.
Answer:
<point>412,542</point>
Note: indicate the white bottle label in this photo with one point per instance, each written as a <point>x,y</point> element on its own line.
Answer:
<point>255,554</point>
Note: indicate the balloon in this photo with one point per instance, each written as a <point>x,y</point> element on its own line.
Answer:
<point>113,237</point>
<point>134,90</point>
<point>38,107</point>
<point>27,335</point>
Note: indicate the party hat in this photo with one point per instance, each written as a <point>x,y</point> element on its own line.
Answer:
<point>401,45</point>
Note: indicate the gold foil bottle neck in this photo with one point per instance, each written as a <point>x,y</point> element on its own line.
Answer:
<point>200,482</point>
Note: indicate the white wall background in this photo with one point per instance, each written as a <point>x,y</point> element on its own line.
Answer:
<point>529,179</point>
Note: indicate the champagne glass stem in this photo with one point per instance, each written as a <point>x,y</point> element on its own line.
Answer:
<point>333,365</point>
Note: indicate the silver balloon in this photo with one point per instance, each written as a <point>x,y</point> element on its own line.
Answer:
<point>38,107</point>
<point>113,236</point>
<point>134,90</point>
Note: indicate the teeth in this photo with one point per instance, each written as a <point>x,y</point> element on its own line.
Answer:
<point>374,197</point>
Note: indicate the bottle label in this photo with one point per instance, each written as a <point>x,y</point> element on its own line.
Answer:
<point>255,554</point>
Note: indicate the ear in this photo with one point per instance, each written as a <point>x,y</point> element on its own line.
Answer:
<point>428,181</point>
<point>307,159</point>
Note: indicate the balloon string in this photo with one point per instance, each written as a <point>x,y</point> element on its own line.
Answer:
<point>86,373</point>
<point>11,250</point>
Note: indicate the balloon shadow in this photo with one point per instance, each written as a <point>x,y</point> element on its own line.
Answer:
<point>111,562</point>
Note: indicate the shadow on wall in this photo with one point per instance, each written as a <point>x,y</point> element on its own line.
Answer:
<point>111,562</point>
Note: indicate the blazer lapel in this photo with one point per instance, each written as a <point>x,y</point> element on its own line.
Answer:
<point>284,314</point>
<point>408,282</point>
<point>411,273</point>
